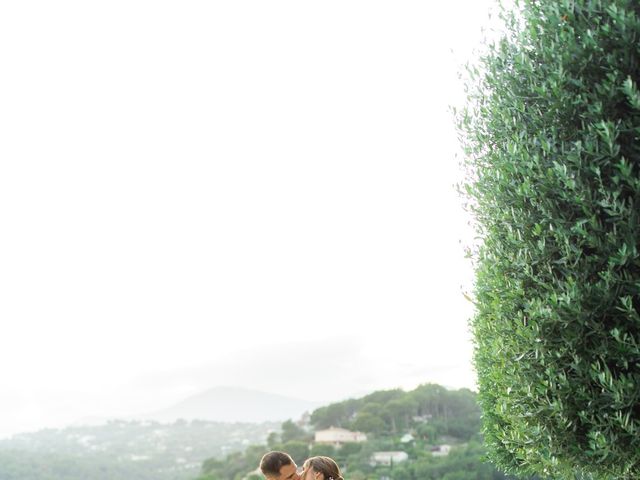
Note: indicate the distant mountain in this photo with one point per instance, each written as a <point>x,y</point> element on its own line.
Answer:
<point>235,404</point>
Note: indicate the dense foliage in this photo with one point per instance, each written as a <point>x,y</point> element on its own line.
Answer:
<point>551,136</point>
<point>466,462</point>
<point>387,412</point>
<point>431,413</point>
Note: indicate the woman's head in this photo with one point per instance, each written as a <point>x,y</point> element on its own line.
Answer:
<point>321,468</point>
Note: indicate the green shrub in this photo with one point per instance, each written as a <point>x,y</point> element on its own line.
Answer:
<point>552,142</point>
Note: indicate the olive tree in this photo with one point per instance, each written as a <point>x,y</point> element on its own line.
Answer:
<point>551,134</point>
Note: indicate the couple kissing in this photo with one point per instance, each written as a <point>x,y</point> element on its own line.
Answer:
<point>280,466</point>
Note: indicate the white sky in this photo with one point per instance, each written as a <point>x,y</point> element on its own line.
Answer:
<point>239,193</point>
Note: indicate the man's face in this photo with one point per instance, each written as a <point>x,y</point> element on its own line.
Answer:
<point>288,472</point>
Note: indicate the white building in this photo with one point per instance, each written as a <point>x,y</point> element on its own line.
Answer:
<point>422,418</point>
<point>388,458</point>
<point>338,436</point>
<point>441,450</point>
<point>407,438</point>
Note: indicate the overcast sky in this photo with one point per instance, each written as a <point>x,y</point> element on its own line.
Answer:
<point>244,193</point>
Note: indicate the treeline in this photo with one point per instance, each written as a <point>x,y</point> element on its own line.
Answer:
<point>431,410</point>
<point>430,413</point>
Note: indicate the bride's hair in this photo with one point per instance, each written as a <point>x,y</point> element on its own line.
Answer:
<point>326,466</point>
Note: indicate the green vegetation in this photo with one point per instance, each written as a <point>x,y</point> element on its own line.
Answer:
<point>121,450</point>
<point>21,465</point>
<point>454,413</point>
<point>124,450</point>
<point>552,141</point>
<point>432,414</point>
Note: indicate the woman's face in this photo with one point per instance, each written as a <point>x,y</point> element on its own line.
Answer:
<point>310,474</point>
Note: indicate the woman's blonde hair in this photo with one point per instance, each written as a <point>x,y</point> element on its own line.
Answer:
<point>326,466</point>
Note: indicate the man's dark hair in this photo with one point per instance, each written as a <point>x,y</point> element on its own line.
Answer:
<point>272,462</point>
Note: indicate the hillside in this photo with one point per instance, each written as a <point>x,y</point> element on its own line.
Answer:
<point>417,423</point>
<point>434,431</point>
<point>167,445</point>
<point>125,450</point>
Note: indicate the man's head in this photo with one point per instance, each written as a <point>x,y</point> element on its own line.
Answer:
<point>279,466</point>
